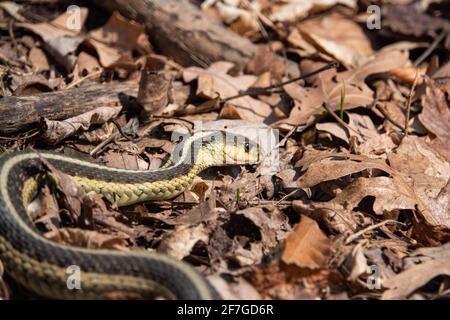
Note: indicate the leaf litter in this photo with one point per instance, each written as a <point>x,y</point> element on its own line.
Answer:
<point>358,183</point>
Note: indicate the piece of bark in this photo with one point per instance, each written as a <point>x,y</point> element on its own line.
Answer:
<point>182,31</point>
<point>19,113</point>
<point>154,88</point>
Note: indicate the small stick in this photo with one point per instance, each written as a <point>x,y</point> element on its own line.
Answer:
<point>264,90</point>
<point>79,81</point>
<point>341,122</point>
<point>430,49</point>
<point>369,228</point>
<point>111,138</point>
<point>387,116</point>
<point>408,107</point>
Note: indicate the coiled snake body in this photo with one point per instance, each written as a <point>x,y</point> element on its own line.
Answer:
<point>41,265</point>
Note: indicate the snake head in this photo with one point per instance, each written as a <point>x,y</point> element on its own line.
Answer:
<point>239,149</point>
<point>219,148</point>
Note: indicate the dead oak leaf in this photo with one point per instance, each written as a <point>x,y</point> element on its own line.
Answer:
<point>389,194</point>
<point>56,131</point>
<point>114,39</point>
<point>338,214</point>
<point>181,241</point>
<point>71,193</point>
<point>409,20</point>
<point>436,118</point>
<point>427,174</point>
<point>326,166</point>
<point>240,290</point>
<point>215,81</point>
<point>406,282</point>
<point>296,9</point>
<point>307,246</point>
<point>248,236</point>
<point>329,85</point>
<point>86,239</point>
<point>339,37</point>
<point>58,27</point>
<point>61,36</point>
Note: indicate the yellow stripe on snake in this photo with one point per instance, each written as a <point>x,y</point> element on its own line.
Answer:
<point>40,265</point>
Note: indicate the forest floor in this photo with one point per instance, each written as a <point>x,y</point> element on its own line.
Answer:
<point>359,206</point>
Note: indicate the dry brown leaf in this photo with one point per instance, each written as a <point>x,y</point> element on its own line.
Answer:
<point>359,262</point>
<point>215,81</point>
<point>428,175</point>
<point>389,194</point>
<point>245,22</point>
<point>334,129</point>
<point>30,84</point>
<point>86,64</point>
<point>265,60</point>
<point>297,9</point>
<point>329,84</point>
<point>206,210</point>
<point>60,41</point>
<point>98,135</point>
<point>410,20</point>
<point>273,225</point>
<point>47,211</point>
<point>57,27</point>
<point>38,59</point>
<point>240,290</point>
<point>113,40</point>
<point>436,118</point>
<point>307,246</point>
<point>369,142</point>
<point>326,166</point>
<point>406,282</point>
<point>71,193</point>
<point>247,237</point>
<point>339,37</point>
<point>56,131</point>
<point>394,194</point>
<point>181,241</point>
<point>124,160</point>
<point>13,9</point>
<point>86,239</point>
<point>95,212</point>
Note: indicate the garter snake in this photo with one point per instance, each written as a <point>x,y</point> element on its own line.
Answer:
<point>41,265</point>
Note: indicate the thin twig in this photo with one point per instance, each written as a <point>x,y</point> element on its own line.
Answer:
<point>387,116</point>
<point>430,49</point>
<point>77,82</point>
<point>28,135</point>
<point>369,228</point>
<point>408,107</point>
<point>341,122</point>
<point>264,90</point>
<point>111,138</point>
<point>121,131</point>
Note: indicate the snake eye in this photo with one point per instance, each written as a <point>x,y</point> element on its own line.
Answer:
<point>247,147</point>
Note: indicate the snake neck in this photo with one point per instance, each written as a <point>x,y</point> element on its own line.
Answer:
<point>123,194</point>
<point>130,193</point>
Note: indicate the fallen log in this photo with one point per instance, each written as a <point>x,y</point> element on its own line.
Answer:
<point>21,112</point>
<point>182,31</point>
